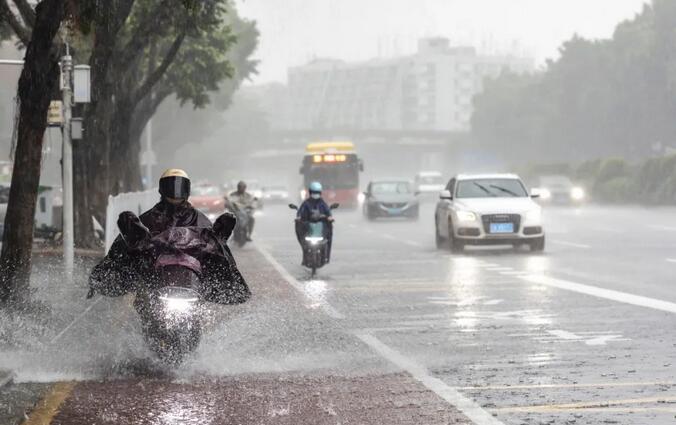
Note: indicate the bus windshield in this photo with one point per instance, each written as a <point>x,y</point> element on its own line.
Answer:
<point>334,176</point>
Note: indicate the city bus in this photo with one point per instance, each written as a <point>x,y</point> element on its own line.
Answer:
<point>336,166</point>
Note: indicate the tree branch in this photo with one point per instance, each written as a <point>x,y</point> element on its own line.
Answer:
<point>22,32</point>
<point>149,25</point>
<point>157,74</point>
<point>26,11</point>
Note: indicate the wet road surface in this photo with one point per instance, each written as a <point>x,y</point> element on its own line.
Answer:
<point>393,331</point>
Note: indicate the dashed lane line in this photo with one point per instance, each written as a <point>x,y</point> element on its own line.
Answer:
<point>328,309</point>
<point>570,244</point>
<point>466,406</point>
<point>671,260</point>
<point>584,406</point>
<point>608,294</point>
<point>564,386</point>
<point>662,228</point>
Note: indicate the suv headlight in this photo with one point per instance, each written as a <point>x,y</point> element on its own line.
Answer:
<point>466,216</point>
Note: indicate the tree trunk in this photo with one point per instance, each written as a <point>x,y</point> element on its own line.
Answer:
<point>92,156</point>
<point>37,83</point>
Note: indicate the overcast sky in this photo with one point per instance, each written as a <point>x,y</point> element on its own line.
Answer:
<point>295,31</point>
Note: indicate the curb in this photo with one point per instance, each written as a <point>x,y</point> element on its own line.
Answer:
<point>6,377</point>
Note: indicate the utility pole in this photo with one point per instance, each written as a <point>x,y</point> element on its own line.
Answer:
<point>148,157</point>
<point>67,165</point>
<point>149,149</point>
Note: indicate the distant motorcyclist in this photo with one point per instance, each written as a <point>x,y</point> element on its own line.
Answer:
<point>244,202</point>
<point>123,267</point>
<point>314,204</point>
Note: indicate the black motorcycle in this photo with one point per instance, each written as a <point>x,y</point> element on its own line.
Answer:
<point>169,303</point>
<point>314,239</point>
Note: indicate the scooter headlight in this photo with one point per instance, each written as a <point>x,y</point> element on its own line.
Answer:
<point>313,240</point>
<point>177,305</point>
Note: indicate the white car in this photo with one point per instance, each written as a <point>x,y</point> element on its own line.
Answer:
<point>275,194</point>
<point>428,182</point>
<point>488,209</point>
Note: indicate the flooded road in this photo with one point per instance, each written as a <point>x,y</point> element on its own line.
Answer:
<point>392,331</point>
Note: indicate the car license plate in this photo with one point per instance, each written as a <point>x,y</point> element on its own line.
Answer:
<point>394,210</point>
<point>502,228</point>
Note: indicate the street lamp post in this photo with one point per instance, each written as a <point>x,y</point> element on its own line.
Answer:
<point>68,232</point>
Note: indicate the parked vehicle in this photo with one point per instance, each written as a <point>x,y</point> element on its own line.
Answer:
<point>390,198</point>
<point>491,209</point>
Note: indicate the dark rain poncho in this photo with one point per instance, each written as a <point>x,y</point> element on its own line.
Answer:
<point>130,264</point>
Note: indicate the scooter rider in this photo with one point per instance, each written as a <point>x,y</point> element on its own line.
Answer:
<point>314,202</point>
<point>246,202</point>
<point>122,268</point>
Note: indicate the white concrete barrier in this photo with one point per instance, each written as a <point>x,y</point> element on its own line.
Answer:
<point>136,202</point>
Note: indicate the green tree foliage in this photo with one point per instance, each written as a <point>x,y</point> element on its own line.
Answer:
<point>601,98</point>
<point>142,52</point>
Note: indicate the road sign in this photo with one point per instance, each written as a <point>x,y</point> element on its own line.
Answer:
<point>55,113</point>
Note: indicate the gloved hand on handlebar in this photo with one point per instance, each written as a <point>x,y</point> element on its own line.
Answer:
<point>224,225</point>
<point>132,230</point>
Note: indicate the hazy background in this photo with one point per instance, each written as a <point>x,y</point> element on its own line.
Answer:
<point>296,31</point>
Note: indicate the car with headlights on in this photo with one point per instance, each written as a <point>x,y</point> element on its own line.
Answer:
<point>390,198</point>
<point>488,209</point>
<point>560,190</point>
<point>208,199</point>
<point>275,194</point>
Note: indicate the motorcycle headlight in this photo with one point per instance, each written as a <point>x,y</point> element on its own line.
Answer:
<point>313,240</point>
<point>577,194</point>
<point>466,216</point>
<point>361,198</point>
<point>178,305</point>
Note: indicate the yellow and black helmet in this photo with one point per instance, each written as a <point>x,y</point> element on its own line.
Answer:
<point>175,184</point>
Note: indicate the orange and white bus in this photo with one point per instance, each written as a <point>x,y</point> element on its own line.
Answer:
<point>336,166</point>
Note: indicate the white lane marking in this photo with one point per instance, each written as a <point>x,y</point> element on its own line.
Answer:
<point>328,308</point>
<point>671,260</point>
<point>77,319</point>
<point>607,230</point>
<point>466,406</point>
<point>513,273</point>
<point>596,339</point>
<point>608,294</point>
<point>499,269</point>
<point>571,244</point>
<point>412,243</point>
<point>662,228</point>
